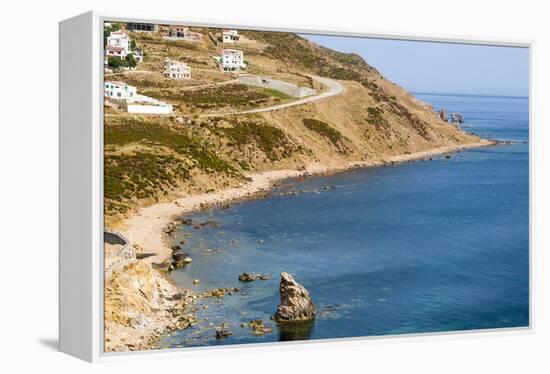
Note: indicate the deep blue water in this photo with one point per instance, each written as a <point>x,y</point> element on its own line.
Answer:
<point>428,246</point>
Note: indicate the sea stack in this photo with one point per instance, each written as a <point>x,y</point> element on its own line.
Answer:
<point>296,304</point>
<point>443,115</point>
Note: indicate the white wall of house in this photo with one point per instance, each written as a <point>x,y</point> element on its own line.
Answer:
<point>230,36</point>
<point>176,70</point>
<point>232,59</point>
<point>150,109</point>
<point>119,90</point>
<point>119,39</point>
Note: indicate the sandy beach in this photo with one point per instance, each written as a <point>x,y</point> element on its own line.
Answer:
<point>147,229</point>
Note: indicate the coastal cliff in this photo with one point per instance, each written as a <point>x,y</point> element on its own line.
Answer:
<point>140,304</point>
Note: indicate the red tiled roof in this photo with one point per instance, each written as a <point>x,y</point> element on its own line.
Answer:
<point>114,48</point>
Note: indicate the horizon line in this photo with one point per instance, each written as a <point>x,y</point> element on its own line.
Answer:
<point>468,94</point>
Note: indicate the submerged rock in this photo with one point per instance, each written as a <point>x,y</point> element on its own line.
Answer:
<point>296,304</point>
<point>222,334</point>
<point>245,277</point>
<point>180,259</point>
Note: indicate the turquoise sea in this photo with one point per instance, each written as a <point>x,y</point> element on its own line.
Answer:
<point>426,246</point>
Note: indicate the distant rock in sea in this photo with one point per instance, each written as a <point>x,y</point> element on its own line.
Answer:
<point>296,304</point>
<point>443,115</point>
<point>457,117</point>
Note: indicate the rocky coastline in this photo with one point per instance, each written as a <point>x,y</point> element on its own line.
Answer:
<point>136,316</point>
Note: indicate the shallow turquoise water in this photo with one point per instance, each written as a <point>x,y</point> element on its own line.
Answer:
<point>428,246</point>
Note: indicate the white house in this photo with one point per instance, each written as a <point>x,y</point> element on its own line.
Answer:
<point>232,59</point>
<point>118,44</point>
<point>230,36</point>
<point>176,69</point>
<point>119,90</point>
<point>123,96</point>
<point>119,39</point>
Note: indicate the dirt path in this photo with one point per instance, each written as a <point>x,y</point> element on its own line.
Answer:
<point>334,88</point>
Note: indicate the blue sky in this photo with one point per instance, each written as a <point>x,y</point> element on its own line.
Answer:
<point>441,67</point>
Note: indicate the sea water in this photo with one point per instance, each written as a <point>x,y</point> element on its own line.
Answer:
<point>426,246</point>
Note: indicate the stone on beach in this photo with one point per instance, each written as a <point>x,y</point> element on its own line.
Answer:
<point>165,266</point>
<point>296,304</point>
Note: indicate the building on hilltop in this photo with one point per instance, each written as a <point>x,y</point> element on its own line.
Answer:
<point>142,27</point>
<point>118,45</point>
<point>119,90</point>
<point>232,59</point>
<point>122,96</point>
<point>175,31</point>
<point>176,69</point>
<point>230,36</point>
<point>119,39</point>
<point>179,32</point>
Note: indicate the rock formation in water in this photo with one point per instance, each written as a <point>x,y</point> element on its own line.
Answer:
<point>443,115</point>
<point>245,277</point>
<point>457,117</point>
<point>296,304</point>
<point>180,259</point>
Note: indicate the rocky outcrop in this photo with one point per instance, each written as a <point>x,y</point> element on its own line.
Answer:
<point>457,117</point>
<point>443,115</point>
<point>296,304</point>
<point>245,277</point>
<point>180,259</point>
<point>140,304</point>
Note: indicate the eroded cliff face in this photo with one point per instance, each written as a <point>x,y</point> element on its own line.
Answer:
<point>140,304</point>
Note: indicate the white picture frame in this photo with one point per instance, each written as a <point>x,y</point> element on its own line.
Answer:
<point>81,181</point>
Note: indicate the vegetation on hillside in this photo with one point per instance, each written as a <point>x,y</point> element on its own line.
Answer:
<point>271,140</point>
<point>231,95</point>
<point>325,130</point>
<point>158,157</point>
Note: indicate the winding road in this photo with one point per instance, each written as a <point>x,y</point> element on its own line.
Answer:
<point>334,88</point>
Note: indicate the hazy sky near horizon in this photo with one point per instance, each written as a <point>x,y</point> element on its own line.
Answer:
<point>441,67</point>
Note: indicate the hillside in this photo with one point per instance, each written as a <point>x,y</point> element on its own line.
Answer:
<point>202,148</point>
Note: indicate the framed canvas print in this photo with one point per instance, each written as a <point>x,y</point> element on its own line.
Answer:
<point>226,184</point>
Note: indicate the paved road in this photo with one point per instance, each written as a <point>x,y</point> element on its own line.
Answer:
<point>334,88</point>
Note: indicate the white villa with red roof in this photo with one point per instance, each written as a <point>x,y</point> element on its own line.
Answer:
<point>118,45</point>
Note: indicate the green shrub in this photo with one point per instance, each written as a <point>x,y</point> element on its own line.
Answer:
<point>376,116</point>
<point>140,175</point>
<point>271,140</point>
<point>117,62</point>
<point>325,130</point>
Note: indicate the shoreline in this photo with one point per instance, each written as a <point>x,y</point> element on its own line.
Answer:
<point>148,232</point>
<point>149,228</point>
